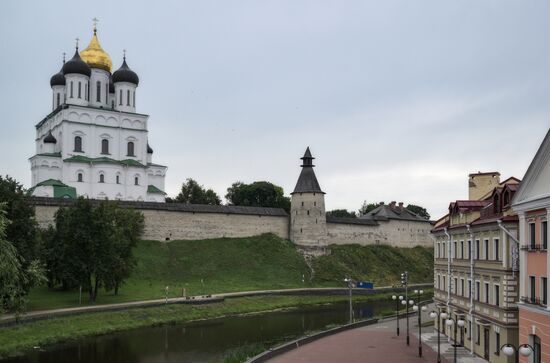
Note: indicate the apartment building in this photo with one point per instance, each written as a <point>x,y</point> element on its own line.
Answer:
<point>532,205</point>
<point>476,266</point>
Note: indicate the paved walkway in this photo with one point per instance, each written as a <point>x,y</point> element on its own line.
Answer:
<point>377,343</point>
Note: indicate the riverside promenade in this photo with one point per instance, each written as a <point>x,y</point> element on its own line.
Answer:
<point>378,343</point>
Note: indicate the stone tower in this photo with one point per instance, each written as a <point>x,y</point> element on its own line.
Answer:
<point>308,225</point>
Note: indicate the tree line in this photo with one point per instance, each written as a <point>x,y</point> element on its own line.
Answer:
<point>368,207</point>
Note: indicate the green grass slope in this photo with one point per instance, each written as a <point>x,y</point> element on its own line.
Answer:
<point>239,264</point>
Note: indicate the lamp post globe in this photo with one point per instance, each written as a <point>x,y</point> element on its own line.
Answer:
<point>394,297</point>
<point>444,315</point>
<point>525,350</point>
<point>421,292</point>
<point>415,308</point>
<point>411,302</point>
<point>403,302</point>
<point>424,308</point>
<point>400,297</point>
<point>449,322</point>
<point>433,315</point>
<point>508,350</point>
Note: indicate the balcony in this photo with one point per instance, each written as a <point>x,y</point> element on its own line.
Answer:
<point>534,247</point>
<point>533,301</point>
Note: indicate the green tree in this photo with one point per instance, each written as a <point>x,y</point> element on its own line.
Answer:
<point>22,229</point>
<point>193,193</point>
<point>341,213</point>
<point>421,211</point>
<point>367,207</point>
<point>95,244</point>
<point>15,279</point>
<point>257,194</point>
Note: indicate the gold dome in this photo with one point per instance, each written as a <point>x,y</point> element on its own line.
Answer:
<point>95,56</point>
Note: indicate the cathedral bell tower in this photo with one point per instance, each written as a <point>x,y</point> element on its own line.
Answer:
<point>308,225</point>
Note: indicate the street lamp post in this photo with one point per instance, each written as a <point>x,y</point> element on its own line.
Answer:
<point>439,316</point>
<point>405,282</point>
<point>422,308</point>
<point>350,286</point>
<point>397,300</point>
<point>460,323</point>
<point>523,349</point>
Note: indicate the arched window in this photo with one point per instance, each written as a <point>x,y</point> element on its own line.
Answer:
<point>101,178</point>
<point>107,93</point>
<point>79,89</point>
<point>98,95</point>
<point>79,177</point>
<point>71,89</point>
<point>78,144</point>
<point>496,204</point>
<point>136,180</point>
<point>131,148</point>
<point>86,91</point>
<point>58,99</point>
<point>104,146</point>
<point>134,96</point>
<point>118,179</point>
<point>128,98</point>
<point>120,97</point>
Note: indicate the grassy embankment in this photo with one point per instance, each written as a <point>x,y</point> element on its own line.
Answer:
<point>240,264</point>
<point>17,339</point>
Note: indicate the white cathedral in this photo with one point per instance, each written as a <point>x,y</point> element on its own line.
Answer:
<point>93,143</point>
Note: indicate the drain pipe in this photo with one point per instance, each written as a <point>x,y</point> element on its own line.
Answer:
<point>471,311</point>
<point>448,274</point>
<point>515,252</point>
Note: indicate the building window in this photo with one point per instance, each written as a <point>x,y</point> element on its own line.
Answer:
<point>455,287</point>
<point>107,93</point>
<point>455,255</point>
<point>127,97</point>
<point>86,91</point>
<point>120,97</point>
<point>439,282</point>
<point>497,295</point>
<point>544,234</point>
<point>486,293</point>
<point>477,250</point>
<point>537,349</point>
<point>496,249</point>
<point>544,290</point>
<point>497,343</point>
<point>79,177</point>
<point>308,213</point>
<point>136,180</point>
<point>462,249</point>
<point>118,179</point>
<point>71,89</point>
<point>462,292</point>
<point>58,99</point>
<point>78,144</point>
<point>444,283</point>
<point>469,288</point>
<point>98,90</point>
<point>478,334</point>
<point>478,292</point>
<point>105,146</point>
<point>134,97</point>
<point>131,148</point>
<point>532,236</point>
<point>444,252</point>
<point>486,248</point>
<point>79,89</point>
<point>439,249</point>
<point>469,249</point>
<point>532,291</point>
<point>101,178</point>
<point>470,330</point>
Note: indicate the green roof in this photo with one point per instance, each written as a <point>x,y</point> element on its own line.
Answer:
<point>104,160</point>
<point>56,155</point>
<point>60,190</point>
<point>153,164</point>
<point>151,189</point>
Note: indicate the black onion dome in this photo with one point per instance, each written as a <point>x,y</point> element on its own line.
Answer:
<point>58,79</point>
<point>49,139</point>
<point>111,85</point>
<point>149,149</point>
<point>125,74</point>
<point>76,65</point>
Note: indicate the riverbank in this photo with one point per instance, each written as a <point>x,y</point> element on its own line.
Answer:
<point>18,339</point>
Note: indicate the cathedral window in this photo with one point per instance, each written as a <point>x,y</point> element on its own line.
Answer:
<point>131,148</point>
<point>78,144</point>
<point>134,97</point>
<point>79,177</point>
<point>101,178</point>
<point>58,99</point>
<point>105,146</point>
<point>128,98</point>
<point>98,95</point>
<point>86,91</point>
<point>308,213</point>
<point>79,89</point>
<point>71,89</point>
<point>120,98</point>
<point>106,93</point>
<point>136,180</point>
<point>118,179</point>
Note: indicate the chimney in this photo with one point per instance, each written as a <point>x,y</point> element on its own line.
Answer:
<point>392,204</point>
<point>401,205</point>
<point>381,203</point>
<point>480,184</point>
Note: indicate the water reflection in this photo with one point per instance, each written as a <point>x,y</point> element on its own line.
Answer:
<point>204,341</point>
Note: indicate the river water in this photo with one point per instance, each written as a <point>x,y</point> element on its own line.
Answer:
<point>205,341</point>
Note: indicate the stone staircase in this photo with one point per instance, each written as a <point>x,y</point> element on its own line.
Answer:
<point>447,349</point>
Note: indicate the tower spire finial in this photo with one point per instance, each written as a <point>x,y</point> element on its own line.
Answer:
<point>63,57</point>
<point>95,21</point>
<point>77,43</point>
<point>124,54</point>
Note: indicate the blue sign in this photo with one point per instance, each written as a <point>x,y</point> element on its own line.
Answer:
<point>365,285</point>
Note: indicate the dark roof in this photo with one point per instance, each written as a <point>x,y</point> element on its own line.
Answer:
<point>177,207</point>
<point>307,181</point>
<point>386,211</point>
<point>125,74</point>
<point>77,65</point>
<point>49,139</point>
<point>149,149</point>
<point>361,221</point>
<point>58,79</point>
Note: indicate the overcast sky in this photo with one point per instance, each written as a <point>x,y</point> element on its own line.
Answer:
<point>398,100</point>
